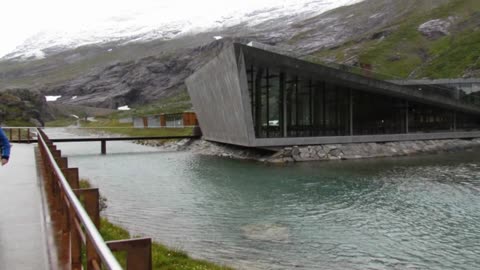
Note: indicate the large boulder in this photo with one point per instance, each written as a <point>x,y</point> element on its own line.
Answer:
<point>435,29</point>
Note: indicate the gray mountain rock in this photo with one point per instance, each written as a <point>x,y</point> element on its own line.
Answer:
<point>435,29</point>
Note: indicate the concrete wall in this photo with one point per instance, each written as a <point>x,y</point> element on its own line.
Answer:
<point>216,94</point>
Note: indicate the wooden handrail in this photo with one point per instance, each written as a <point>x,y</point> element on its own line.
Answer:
<point>80,224</point>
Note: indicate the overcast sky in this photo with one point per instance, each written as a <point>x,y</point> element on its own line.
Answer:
<point>21,19</point>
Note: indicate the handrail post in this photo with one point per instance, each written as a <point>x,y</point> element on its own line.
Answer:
<point>139,252</point>
<point>59,194</point>
<point>92,256</point>
<point>75,244</point>
<point>19,134</point>
<point>92,206</point>
<point>72,177</point>
<point>11,133</point>
<point>71,174</point>
<point>91,198</point>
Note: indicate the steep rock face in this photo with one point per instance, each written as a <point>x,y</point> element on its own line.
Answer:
<point>135,82</point>
<point>23,106</point>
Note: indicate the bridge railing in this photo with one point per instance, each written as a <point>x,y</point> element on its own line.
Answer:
<point>20,134</point>
<point>79,224</point>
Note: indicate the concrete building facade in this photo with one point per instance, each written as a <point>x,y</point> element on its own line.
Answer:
<point>256,98</point>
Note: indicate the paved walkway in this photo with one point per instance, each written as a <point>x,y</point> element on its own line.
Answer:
<point>23,226</point>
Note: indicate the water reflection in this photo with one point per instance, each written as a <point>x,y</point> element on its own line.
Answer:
<point>404,213</point>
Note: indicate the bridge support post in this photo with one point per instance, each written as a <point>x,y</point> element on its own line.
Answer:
<point>104,147</point>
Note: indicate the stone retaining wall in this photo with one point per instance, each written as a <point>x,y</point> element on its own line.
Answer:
<point>317,152</point>
<point>368,150</point>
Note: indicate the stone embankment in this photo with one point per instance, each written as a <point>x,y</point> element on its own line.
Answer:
<point>208,148</point>
<point>317,152</point>
<point>369,150</point>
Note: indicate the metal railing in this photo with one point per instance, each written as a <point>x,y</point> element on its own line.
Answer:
<point>79,225</point>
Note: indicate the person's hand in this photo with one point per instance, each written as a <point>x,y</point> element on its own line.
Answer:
<point>4,161</point>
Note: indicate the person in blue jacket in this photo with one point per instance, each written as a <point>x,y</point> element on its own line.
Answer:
<point>5,147</point>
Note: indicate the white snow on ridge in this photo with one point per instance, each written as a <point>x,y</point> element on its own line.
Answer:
<point>52,98</point>
<point>140,21</point>
<point>124,108</point>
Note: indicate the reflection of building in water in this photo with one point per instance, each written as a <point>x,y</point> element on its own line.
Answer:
<point>252,97</point>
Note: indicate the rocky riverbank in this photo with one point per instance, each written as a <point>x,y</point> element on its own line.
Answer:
<point>208,148</point>
<point>317,152</point>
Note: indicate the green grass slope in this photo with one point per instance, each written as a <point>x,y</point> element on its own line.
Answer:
<point>405,53</point>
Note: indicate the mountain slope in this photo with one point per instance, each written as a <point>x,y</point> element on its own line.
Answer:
<point>401,50</point>
<point>408,38</point>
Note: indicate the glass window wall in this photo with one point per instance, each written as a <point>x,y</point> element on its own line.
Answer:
<point>288,104</point>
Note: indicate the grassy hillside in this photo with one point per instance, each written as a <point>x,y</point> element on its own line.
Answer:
<point>402,51</point>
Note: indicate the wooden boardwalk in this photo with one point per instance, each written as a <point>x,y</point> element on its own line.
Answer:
<point>24,221</point>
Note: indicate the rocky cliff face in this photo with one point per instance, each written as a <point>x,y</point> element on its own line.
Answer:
<point>372,31</point>
<point>135,82</point>
<point>23,107</point>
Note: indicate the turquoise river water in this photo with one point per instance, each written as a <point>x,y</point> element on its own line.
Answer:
<point>405,213</point>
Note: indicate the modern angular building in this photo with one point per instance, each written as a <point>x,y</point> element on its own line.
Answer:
<point>256,98</point>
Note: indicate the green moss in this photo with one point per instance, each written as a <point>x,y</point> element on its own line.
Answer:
<point>84,183</point>
<point>174,104</point>
<point>63,122</point>
<point>18,123</point>
<point>111,232</point>
<point>454,56</point>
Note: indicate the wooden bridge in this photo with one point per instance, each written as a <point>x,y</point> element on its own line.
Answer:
<point>26,135</point>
